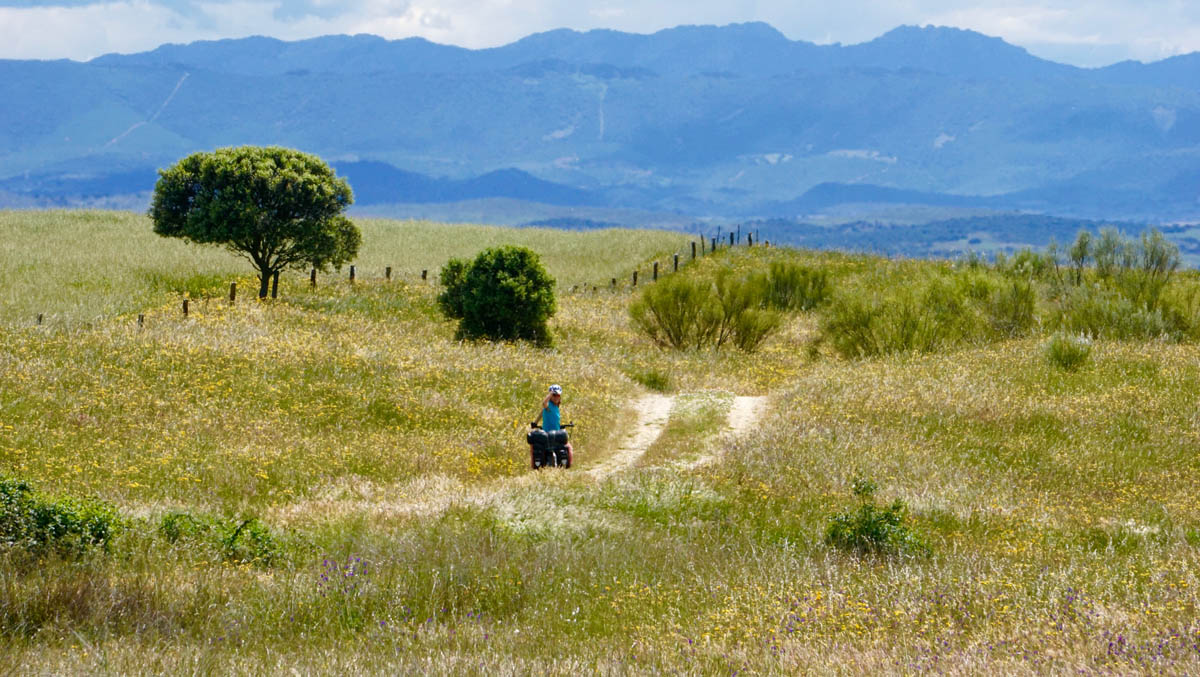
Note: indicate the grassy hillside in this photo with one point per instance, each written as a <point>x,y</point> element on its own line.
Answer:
<point>331,482</point>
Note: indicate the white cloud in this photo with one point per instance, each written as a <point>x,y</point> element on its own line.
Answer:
<point>1084,32</point>
<point>1147,31</point>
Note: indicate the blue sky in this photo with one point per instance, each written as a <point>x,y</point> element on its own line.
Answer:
<point>1082,32</point>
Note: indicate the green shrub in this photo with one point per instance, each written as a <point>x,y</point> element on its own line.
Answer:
<point>177,526</point>
<point>1010,309</point>
<point>744,320</point>
<point>250,542</point>
<point>791,287</point>
<point>691,312</point>
<point>38,524</point>
<point>1095,311</point>
<point>873,529</point>
<point>1027,264</point>
<point>752,326</point>
<point>899,322</point>
<point>246,542</point>
<point>678,312</point>
<point>504,294</point>
<point>1068,352</point>
<point>452,300</point>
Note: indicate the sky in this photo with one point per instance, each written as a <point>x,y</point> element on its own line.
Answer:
<point>1081,32</point>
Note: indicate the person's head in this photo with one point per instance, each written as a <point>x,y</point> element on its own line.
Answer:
<point>556,393</point>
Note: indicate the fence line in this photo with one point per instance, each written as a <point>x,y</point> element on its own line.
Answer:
<point>734,239</point>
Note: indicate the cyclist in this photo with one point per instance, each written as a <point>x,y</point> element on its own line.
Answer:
<point>549,415</point>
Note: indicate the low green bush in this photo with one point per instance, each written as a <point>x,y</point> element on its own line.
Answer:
<point>870,528</point>
<point>678,312</point>
<point>1010,308</point>
<point>652,378</point>
<point>1068,352</point>
<point>248,541</point>
<point>900,320</point>
<point>40,524</point>
<point>792,287</point>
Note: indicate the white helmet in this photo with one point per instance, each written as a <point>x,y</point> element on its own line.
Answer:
<point>556,390</point>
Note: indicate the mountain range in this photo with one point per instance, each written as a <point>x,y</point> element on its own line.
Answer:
<point>731,122</point>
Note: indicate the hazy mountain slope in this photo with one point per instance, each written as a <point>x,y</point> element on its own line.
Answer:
<point>735,120</point>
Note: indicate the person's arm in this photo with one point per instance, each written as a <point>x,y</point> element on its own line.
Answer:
<point>545,400</point>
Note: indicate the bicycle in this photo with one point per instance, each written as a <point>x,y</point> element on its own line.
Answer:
<point>549,448</point>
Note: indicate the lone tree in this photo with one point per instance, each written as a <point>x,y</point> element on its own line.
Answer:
<point>503,294</point>
<point>279,208</point>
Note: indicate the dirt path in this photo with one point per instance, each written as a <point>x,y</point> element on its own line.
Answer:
<point>745,413</point>
<point>652,414</point>
<point>432,495</point>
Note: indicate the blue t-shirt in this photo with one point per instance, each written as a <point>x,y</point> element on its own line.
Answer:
<point>551,419</point>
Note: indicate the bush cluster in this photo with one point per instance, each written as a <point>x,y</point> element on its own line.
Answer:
<point>504,294</point>
<point>40,524</point>
<point>933,313</point>
<point>1125,292</point>
<point>722,307</point>
<point>1107,286</point>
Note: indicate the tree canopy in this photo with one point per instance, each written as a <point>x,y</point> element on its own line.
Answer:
<point>277,207</point>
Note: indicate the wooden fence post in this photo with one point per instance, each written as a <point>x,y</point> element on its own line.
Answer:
<point>185,307</point>
<point>275,285</point>
<point>713,248</point>
<point>655,279</point>
<point>739,232</point>
<point>749,239</point>
<point>232,293</point>
<point>731,238</point>
<point>424,274</point>
<point>39,318</point>
<point>635,278</point>
<point>141,320</point>
<point>352,273</point>
<point>312,278</point>
<point>387,274</point>
<point>614,284</point>
<point>693,250</point>
<point>676,263</point>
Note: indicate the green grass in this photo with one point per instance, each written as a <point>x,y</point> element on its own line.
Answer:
<point>375,451</point>
<point>83,266</point>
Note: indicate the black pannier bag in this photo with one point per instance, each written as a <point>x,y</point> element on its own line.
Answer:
<point>557,438</point>
<point>538,439</point>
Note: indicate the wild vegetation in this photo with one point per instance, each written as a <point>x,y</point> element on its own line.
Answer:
<point>504,294</point>
<point>334,473</point>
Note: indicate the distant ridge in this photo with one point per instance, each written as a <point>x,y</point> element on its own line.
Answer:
<point>723,122</point>
<point>377,183</point>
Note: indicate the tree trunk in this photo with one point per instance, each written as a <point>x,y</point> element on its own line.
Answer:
<point>264,280</point>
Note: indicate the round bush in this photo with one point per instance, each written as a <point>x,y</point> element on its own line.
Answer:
<point>504,294</point>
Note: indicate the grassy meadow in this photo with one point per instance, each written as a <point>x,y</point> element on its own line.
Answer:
<point>331,482</point>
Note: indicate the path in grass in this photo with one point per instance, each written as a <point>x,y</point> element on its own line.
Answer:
<point>743,416</point>
<point>652,412</point>
<point>435,494</point>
